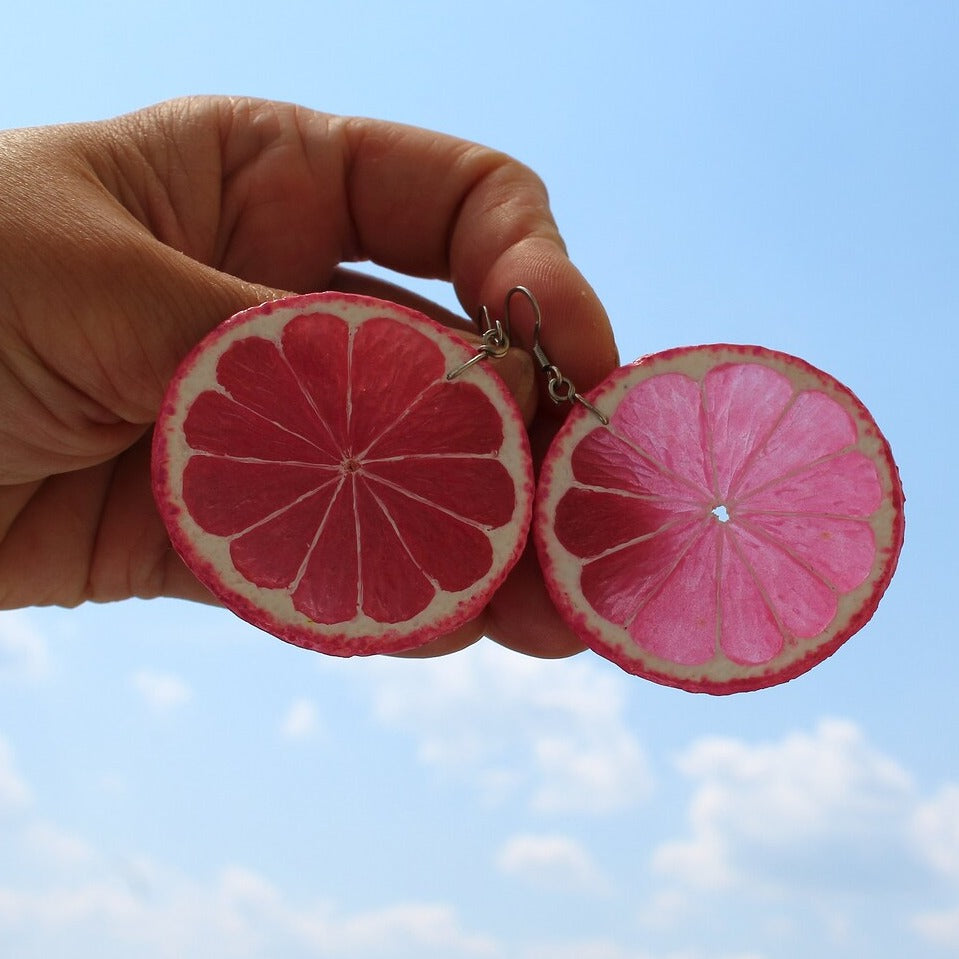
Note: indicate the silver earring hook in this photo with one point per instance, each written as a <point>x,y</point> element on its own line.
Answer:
<point>559,387</point>
<point>533,302</point>
<point>495,338</point>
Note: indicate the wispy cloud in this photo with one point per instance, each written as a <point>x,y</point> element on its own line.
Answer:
<point>935,828</point>
<point>239,913</point>
<point>939,927</point>
<point>14,791</point>
<point>553,862</point>
<point>301,720</point>
<point>552,731</point>
<point>24,654</point>
<point>609,949</point>
<point>161,691</point>
<point>52,846</point>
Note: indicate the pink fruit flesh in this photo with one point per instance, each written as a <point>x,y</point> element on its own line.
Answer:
<point>727,530</point>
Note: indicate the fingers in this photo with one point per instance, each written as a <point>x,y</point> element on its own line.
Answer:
<point>432,205</point>
<point>280,196</point>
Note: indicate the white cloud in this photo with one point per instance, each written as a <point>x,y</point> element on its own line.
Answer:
<point>161,691</point>
<point>935,828</point>
<point>551,731</point>
<point>14,791</point>
<point>301,720</point>
<point>607,949</point>
<point>83,901</point>
<point>52,846</point>
<point>778,812</point>
<point>941,928</point>
<point>593,949</point>
<point>552,862</point>
<point>665,908</point>
<point>112,909</point>
<point>24,655</point>
<point>823,834</point>
<point>591,776</point>
<point>402,927</point>
<point>239,915</point>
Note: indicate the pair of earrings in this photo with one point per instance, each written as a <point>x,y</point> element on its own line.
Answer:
<point>351,476</point>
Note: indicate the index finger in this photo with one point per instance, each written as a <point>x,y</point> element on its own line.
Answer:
<point>429,204</point>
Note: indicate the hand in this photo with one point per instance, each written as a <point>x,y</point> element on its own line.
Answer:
<point>125,241</point>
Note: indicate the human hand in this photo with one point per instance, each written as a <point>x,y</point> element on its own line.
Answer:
<point>124,241</point>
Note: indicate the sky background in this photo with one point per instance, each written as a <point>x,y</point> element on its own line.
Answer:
<point>176,785</point>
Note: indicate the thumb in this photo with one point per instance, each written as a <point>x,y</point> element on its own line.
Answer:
<point>163,304</point>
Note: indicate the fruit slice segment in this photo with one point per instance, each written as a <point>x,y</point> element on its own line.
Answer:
<point>321,476</point>
<point>738,519</point>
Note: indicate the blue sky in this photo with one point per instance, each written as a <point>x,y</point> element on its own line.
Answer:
<point>175,784</point>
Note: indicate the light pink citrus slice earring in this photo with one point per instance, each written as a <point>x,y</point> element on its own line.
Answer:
<point>718,518</point>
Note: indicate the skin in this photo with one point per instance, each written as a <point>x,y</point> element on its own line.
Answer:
<point>125,241</point>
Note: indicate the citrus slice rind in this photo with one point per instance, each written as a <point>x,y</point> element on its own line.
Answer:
<point>738,519</point>
<point>321,476</point>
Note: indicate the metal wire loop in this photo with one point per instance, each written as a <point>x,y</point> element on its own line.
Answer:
<point>494,342</point>
<point>496,336</point>
<point>560,389</point>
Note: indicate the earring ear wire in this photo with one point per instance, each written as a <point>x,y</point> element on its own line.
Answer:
<point>495,342</point>
<point>496,337</point>
<point>560,388</point>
